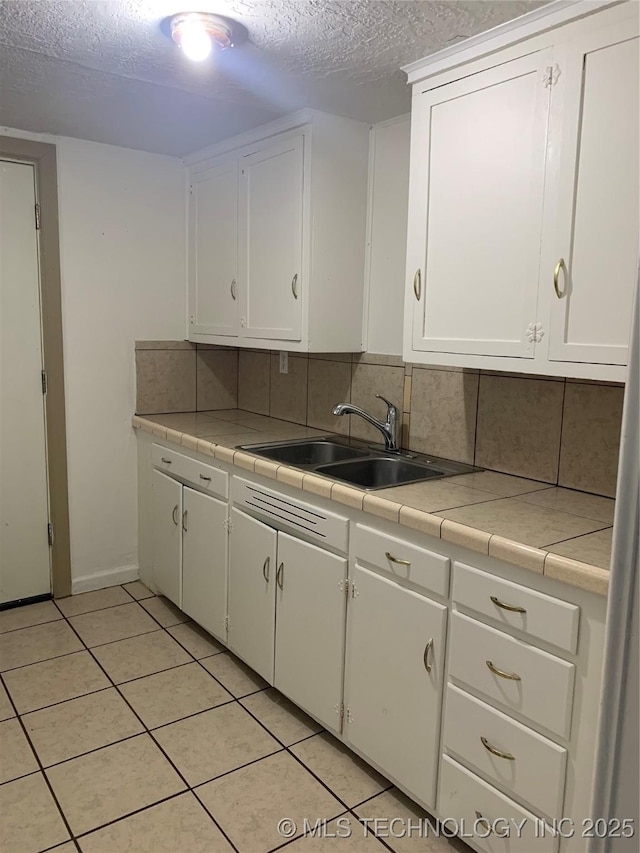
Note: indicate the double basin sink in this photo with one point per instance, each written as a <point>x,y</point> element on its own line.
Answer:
<point>356,464</point>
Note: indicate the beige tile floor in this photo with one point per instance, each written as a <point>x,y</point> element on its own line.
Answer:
<point>125,728</point>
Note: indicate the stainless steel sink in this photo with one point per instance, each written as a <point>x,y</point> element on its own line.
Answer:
<point>380,473</point>
<point>356,463</point>
<point>304,453</point>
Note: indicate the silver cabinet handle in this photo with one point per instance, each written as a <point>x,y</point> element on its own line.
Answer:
<point>294,286</point>
<point>512,607</point>
<point>174,515</point>
<point>184,521</point>
<point>483,822</point>
<point>556,276</point>
<point>495,751</point>
<point>396,560</point>
<point>425,656</point>
<point>280,575</point>
<point>166,461</point>
<point>265,569</point>
<point>233,290</point>
<point>511,676</point>
<point>417,284</point>
<point>202,477</point>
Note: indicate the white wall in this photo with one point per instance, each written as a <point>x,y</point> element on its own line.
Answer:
<point>122,245</point>
<point>387,234</point>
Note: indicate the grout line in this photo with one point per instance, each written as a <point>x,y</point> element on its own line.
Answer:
<point>580,536</point>
<point>37,758</point>
<point>24,627</point>
<point>564,396</point>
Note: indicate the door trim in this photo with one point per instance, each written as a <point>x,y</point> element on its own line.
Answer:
<point>42,156</point>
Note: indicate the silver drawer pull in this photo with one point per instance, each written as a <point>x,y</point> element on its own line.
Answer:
<point>202,477</point>
<point>166,461</point>
<point>512,676</point>
<point>184,520</point>
<point>396,560</point>
<point>483,823</point>
<point>233,290</point>
<point>495,751</point>
<point>265,569</point>
<point>174,515</point>
<point>280,575</point>
<point>512,607</point>
<point>294,286</point>
<point>425,656</point>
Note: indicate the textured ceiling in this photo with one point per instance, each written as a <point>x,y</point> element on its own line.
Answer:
<point>103,70</point>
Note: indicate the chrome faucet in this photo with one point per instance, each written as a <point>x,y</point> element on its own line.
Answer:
<point>388,429</point>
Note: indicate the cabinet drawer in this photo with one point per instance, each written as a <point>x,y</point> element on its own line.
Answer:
<point>539,615</point>
<point>536,772</point>
<point>208,479</point>
<point>464,797</point>
<point>402,559</point>
<point>543,689</point>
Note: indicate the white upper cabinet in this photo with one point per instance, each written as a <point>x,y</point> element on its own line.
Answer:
<point>478,154</point>
<point>523,202</point>
<point>271,204</point>
<point>213,251</point>
<point>598,226</point>
<point>299,207</point>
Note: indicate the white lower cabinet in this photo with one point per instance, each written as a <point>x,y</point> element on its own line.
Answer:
<point>394,674</point>
<point>287,614</point>
<point>252,590</point>
<point>310,624</point>
<point>204,561</point>
<point>189,537</point>
<point>167,536</point>
<point>486,733</point>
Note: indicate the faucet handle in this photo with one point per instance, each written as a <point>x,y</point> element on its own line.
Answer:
<point>390,405</point>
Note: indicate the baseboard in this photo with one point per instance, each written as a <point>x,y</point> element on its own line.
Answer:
<point>110,577</point>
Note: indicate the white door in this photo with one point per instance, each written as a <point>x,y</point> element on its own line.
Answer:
<point>252,585</point>
<point>271,209</point>
<point>24,499</point>
<point>394,636</point>
<point>213,251</point>
<point>475,210</point>
<point>310,626</point>
<point>597,206</point>
<point>167,536</point>
<point>204,561</point>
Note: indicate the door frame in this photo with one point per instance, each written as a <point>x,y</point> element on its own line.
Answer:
<point>42,156</point>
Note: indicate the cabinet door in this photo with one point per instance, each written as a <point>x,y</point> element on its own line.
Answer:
<point>310,625</point>
<point>252,587</point>
<point>204,561</point>
<point>475,211</point>
<point>393,702</point>
<point>167,536</point>
<point>213,251</point>
<point>597,206</point>
<point>271,209</point>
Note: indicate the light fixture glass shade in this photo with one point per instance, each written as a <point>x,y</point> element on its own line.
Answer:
<point>195,41</point>
<point>197,33</point>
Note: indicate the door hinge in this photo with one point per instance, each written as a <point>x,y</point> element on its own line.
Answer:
<point>551,74</point>
<point>535,333</point>
<point>226,623</point>
<point>339,709</point>
<point>228,525</point>
<point>43,379</point>
<point>37,210</point>
<point>50,533</point>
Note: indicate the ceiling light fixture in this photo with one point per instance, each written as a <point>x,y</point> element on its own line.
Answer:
<point>197,33</point>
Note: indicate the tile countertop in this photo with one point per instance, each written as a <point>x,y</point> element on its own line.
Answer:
<point>557,532</point>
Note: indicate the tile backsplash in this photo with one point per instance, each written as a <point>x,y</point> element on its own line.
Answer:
<point>565,432</point>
